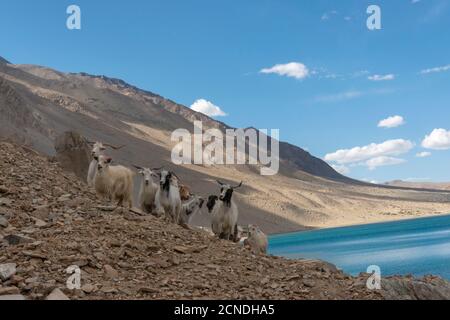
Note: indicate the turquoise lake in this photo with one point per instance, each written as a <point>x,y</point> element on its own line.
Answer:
<point>419,246</point>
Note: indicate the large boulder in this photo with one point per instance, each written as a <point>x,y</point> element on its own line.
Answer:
<point>73,153</point>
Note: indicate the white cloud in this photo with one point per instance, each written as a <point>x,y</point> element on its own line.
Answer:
<point>373,150</point>
<point>423,154</point>
<point>208,108</point>
<point>391,122</point>
<point>383,161</point>
<point>438,139</point>
<point>352,94</point>
<point>436,69</point>
<point>328,15</point>
<point>293,69</point>
<point>325,16</point>
<point>341,169</point>
<point>377,77</point>
<point>340,96</point>
<point>415,1</point>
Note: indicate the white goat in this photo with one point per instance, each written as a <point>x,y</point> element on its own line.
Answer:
<point>257,240</point>
<point>97,150</point>
<point>190,208</point>
<point>148,190</point>
<point>225,213</point>
<point>114,182</point>
<point>167,199</point>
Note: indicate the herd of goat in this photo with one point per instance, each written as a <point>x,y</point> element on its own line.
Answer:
<point>168,198</point>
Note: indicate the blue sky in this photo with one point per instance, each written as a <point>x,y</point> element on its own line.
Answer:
<point>327,101</point>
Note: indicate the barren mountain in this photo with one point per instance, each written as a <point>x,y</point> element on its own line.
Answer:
<point>38,104</point>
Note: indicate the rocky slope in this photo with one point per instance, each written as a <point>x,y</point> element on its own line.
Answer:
<point>50,221</point>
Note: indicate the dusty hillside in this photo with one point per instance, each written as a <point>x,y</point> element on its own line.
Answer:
<point>38,104</point>
<point>50,221</point>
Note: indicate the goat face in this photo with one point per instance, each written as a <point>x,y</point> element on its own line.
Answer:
<point>103,163</point>
<point>252,229</point>
<point>211,203</point>
<point>97,150</point>
<point>165,179</point>
<point>226,192</point>
<point>147,174</point>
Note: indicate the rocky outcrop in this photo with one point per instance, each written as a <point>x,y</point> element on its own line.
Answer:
<point>73,153</point>
<point>427,288</point>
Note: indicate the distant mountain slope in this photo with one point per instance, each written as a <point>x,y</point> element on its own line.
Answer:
<point>38,104</point>
<point>420,185</point>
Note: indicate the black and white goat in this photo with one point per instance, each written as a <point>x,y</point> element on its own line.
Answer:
<point>167,199</point>
<point>225,213</point>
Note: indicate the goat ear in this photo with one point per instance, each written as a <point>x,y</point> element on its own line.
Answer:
<point>108,160</point>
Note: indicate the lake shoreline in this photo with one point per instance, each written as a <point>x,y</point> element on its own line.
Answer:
<point>309,229</point>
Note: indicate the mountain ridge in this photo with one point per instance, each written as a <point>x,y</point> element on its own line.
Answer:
<point>4,61</point>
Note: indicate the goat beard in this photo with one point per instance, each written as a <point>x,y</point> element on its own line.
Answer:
<point>227,200</point>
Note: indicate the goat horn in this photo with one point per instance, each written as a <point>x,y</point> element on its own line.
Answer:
<point>137,167</point>
<point>89,141</point>
<point>238,186</point>
<point>221,183</point>
<point>113,147</point>
<point>156,169</point>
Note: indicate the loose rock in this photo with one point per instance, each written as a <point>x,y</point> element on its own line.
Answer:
<point>7,270</point>
<point>57,294</point>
